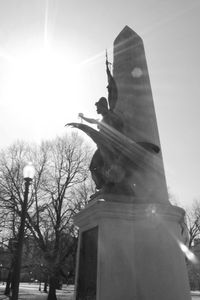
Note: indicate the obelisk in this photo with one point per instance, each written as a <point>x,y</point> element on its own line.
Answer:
<point>136,107</point>
<point>135,100</point>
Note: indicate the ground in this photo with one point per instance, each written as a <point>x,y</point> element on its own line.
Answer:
<point>31,292</point>
<point>195,295</point>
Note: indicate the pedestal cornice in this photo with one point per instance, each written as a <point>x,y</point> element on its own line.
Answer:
<point>101,209</point>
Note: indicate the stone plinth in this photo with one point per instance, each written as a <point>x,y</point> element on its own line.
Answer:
<point>131,252</point>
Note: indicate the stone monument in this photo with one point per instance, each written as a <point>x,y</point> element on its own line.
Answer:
<point>130,234</point>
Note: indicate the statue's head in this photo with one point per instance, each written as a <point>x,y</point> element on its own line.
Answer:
<point>102,105</point>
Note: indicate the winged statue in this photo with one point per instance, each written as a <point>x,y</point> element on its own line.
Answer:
<point>112,163</point>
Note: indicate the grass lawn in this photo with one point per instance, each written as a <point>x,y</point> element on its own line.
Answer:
<point>31,292</point>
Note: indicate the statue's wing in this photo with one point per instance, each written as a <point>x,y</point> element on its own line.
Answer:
<point>112,90</point>
<point>113,141</point>
<point>98,138</point>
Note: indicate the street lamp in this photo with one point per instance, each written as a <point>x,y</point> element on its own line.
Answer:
<point>28,174</point>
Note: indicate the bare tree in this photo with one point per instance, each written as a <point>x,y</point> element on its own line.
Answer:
<point>61,166</point>
<point>82,192</point>
<point>65,166</point>
<point>193,221</point>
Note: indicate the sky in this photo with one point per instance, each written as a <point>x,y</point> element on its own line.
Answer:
<point>52,66</point>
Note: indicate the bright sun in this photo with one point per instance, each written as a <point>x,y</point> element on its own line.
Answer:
<point>40,87</point>
<point>40,75</point>
<point>43,90</point>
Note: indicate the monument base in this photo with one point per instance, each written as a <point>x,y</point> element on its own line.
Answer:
<point>130,251</point>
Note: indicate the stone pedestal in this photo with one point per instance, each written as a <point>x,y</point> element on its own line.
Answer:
<point>131,252</point>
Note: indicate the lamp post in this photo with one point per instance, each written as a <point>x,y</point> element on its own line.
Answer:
<point>28,174</point>
<point>1,268</point>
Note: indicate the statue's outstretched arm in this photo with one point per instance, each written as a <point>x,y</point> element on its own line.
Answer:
<point>89,120</point>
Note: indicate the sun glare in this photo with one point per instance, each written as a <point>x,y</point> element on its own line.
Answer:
<point>41,92</point>
<point>39,75</point>
<point>40,82</point>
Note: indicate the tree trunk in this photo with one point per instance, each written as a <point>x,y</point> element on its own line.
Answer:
<point>52,289</point>
<point>45,285</point>
<point>8,284</point>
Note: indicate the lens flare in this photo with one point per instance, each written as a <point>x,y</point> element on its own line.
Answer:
<point>189,254</point>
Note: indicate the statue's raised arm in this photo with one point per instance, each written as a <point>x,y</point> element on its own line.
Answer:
<point>89,120</point>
